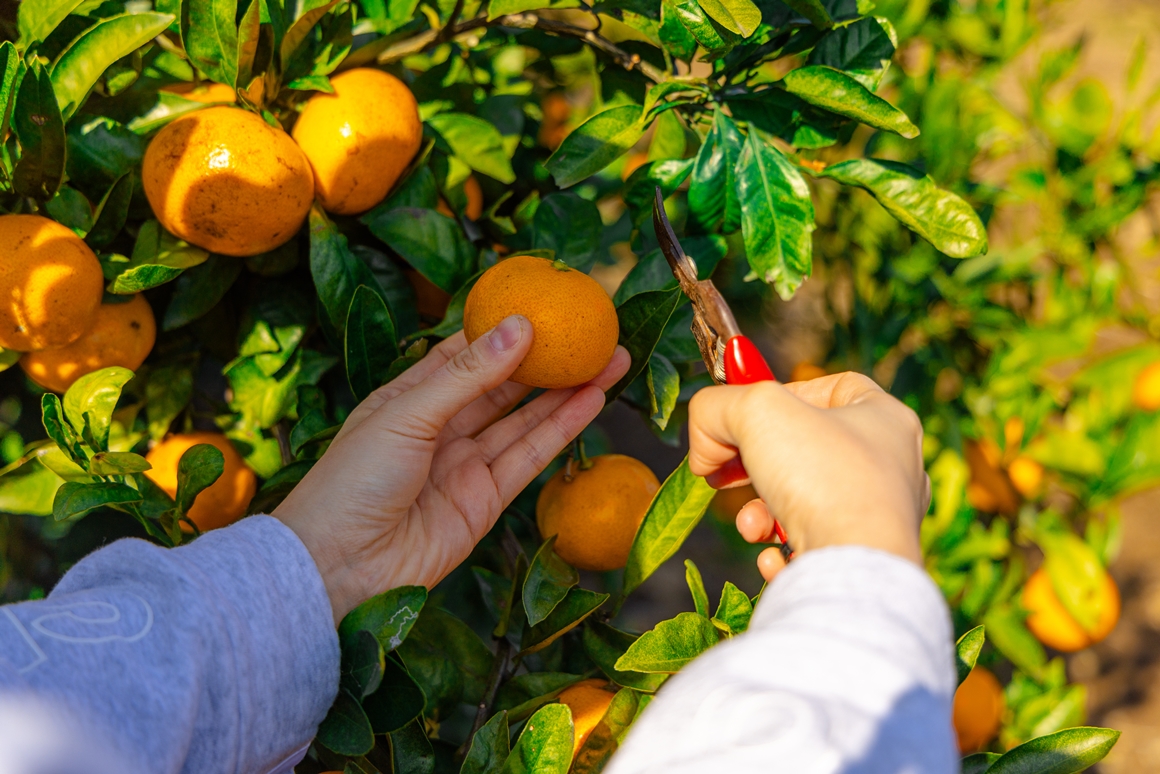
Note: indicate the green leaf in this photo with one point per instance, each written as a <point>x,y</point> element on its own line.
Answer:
<point>575,607</point>
<point>713,199</point>
<point>36,19</point>
<point>86,59</point>
<point>29,491</point>
<point>676,508</point>
<point>697,588</point>
<point>605,645</point>
<point>40,129</point>
<point>734,610</point>
<point>249,35</point>
<point>52,415</point>
<point>111,212</point>
<point>448,660</point>
<point>10,67</point>
<point>967,651</point>
<point>90,401</point>
<point>263,399</point>
<point>411,750</point>
<point>300,29</point>
<point>158,257</point>
<point>596,143</point>
<point>673,34</point>
<point>938,216</point>
<point>716,40</point>
<point>524,694</point>
<point>1064,752</point>
<point>1007,632</point>
<point>569,226</point>
<point>199,467</point>
<point>210,33</point>
<point>640,188</point>
<point>840,93</point>
<point>117,464</point>
<point>363,664</point>
<point>388,616</point>
<point>73,500</point>
<point>862,50</point>
<point>670,645</point>
<point>642,323</point>
<point>777,215</point>
<point>652,271</point>
<point>346,729</point>
<point>199,289</point>
<point>604,739</point>
<point>337,272</point>
<point>371,343</point>
<point>545,744</point>
<point>476,143</point>
<point>505,7</point>
<point>814,12</point>
<point>70,208</point>
<point>741,17</point>
<point>397,701</point>
<point>489,747</point>
<point>431,242</point>
<point>979,762</point>
<point>547,583</point>
<point>664,387</point>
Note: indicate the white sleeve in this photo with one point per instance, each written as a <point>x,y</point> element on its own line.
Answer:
<point>847,666</point>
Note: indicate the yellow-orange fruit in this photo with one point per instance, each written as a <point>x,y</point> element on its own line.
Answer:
<point>588,700</point>
<point>359,139</point>
<point>575,323</point>
<point>595,515</point>
<point>206,92</point>
<point>224,179</point>
<point>989,489</point>
<point>1050,622</point>
<point>1026,475</point>
<point>1146,389</point>
<point>50,284</point>
<point>554,126</point>
<point>805,371</point>
<point>122,335</point>
<point>978,710</point>
<point>222,503</point>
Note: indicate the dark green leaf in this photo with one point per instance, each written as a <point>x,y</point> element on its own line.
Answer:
<point>346,729</point>
<point>52,415</point>
<point>605,645</point>
<point>432,243</point>
<point>697,588</point>
<point>209,29</point>
<point>936,215</point>
<point>531,691</point>
<point>596,143</point>
<point>200,466</point>
<point>673,34</point>
<point>371,343</point>
<point>676,508</point>
<point>642,322</point>
<point>100,152</point>
<point>605,738</point>
<point>198,290</point>
<point>571,227</point>
<point>979,762</point>
<point>90,401</point>
<point>967,651</point>
<point>489,747</point>
<point>862,50</point>
<point>70,208</point>
<point>74,500</point>
<point>249,35</point>
<point>398,700</point>
<point>734,610</point>
<point>741,17</point>
<point>576,606</point>
<point>411,750</point>
<point>337,272</point>
<point>363,664</point>
<point>640,188</point>
<point>389,616</point>
<point>36,19</point>
<point>476,143</point>
<point>40,129</point>
<point>547,583</point>
<point>300,29</point>
<point>167,393</point>
<point>814,11</point>
<point>111,213</point>
<point>840,93</point>
<point>777,215</point>
<point>664,387</point>
<point>10,67</point>
<point>86,59</point>
<point>713,201</point>
<point>447,659</point>
<point>545,744</point>
<point>1064,752</point>
<point>117,464</point>
<point>280,484</point>
<point>670,645</point>
<point>652,271</point>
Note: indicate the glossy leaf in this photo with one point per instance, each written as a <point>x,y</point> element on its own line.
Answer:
<point>60,431</point>
<point>1063,752</point>
<point>199,467</point>
<point>697,588</point>
<point>840,93</point>
<point>476,143</point>
<point>397,701</point>
<point>90,401</point>
<point>346,729</point>
<point>642,323</point>
<point>673,34</point>
<point>716,40</point>
<point>117,464</point>
<point>363,664</point>
<point>447,659</point>
<point>111,212</point>
<point>411,751</point>
<point>73,500</point>
<point>524,694</point>
<point>40,128</point>
<point>569,226</point>
<point>605,645</point>
<point>652,271</point>
<point>547,583</point>
<point>337,272</point>
<point>489,747</point>
<point>36,19</point>
<point>670,645</point>
<point>967,651</point>
<point>388,616</point>
<point>713,196</point>
<point>545,744</point>
<point>676,508</point>
<point>979,762</point>
<point>936,215</point>
<point>640,188</point>
<point>814,11</point>
<point>664,387</point>
<point>432,243</point>
<point>197,290</point>
<point>10,66</point>
<point>300,29</point>
<point>597,142</point>
<point>741,17</point>
<point>86,59</point>
<point>210,33</point>
<point>604,739</point>
<point>734,610</point>
<point>575,607</point>
<point>777,215</point>
<point>371,342</point>
<point>29,490</point>
<point>862,50</point>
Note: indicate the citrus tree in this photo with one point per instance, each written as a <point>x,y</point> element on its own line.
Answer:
<point>257,214</point>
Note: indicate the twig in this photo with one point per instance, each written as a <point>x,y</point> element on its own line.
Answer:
<point>283,437</point>
<point>499,673</point>
<point>450,25</point>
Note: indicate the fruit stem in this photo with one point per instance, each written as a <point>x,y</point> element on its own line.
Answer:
<point>585,463</point>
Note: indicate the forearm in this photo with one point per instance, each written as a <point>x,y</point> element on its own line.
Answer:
<point>846,667</point>
<point>219,656</point>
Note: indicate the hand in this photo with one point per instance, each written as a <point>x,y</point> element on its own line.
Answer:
<point>836,460</point>
<point>425,465</point>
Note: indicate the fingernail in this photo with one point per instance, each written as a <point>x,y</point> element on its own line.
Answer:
<point>507,334</point>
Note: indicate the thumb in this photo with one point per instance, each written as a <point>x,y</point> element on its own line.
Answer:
<point>482,366</point>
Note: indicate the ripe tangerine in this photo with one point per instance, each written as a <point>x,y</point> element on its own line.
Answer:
<point>1026,476</point>
<point>1146,388</point>
<point>1055,627</point>
<point>588,700</point>
<point>224,501</point>
<point>978,710</point>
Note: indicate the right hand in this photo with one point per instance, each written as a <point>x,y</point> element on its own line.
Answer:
<point>836,460</point>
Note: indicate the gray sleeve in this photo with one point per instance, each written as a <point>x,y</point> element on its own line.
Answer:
<point>847,666</point>
<point>219,656</point>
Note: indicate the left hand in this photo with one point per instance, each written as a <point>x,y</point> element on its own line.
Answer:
<point>425,465</point>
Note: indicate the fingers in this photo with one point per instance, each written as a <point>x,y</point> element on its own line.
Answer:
<point>835,390</point>
<point>769,563</point>
<point>717,419</point>
<point>755,522</point>
<point>424,410</point>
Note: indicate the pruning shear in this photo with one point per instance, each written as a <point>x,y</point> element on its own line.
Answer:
<point>730,356</point>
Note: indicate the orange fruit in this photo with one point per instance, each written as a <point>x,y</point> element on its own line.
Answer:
<point>50,284</point>
<point>634,162</point>
<point>1026,475</point>
<point>805,371</point>
<point>989,490</point>
<point>360,139</point>
<point>205,91</point>
<point>1050,622</point>
<point>122,335</point>
<point>588,700</point>
<point>575,323</point>
<point>224,179</point>
<point>595,515</point>
<point>474,195</point>
<point>1146,389</point>
<point>222,503</point>
<point>554,125</point>
<point>978,710</point>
